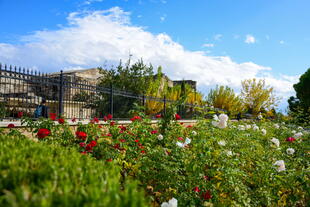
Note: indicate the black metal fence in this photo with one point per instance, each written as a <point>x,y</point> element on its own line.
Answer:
<point>22,90</point>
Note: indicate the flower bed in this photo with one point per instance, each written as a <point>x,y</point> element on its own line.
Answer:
<point>212,163</point>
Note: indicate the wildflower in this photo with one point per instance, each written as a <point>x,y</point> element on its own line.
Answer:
<point>276,142</point>
<point>206,195</point>
<point>112,123</point>
<point>61,121</point>
<point>89,147</point>
<point>177,117</point>
<point>290,151</point>
<point>20,114</point>
<point>154,132</point>
<point>260,117</point>
<point>300,128</point>
<point>73,120</point>
<point>180,138</point>
<point>194,133</point>
<point>81,135</point>
<point>248,126</point>
<point>142,152</point>
<point>280,164</point>
<point>84,153</point>
<point>158,116</point>
<point>220,121</point>
<point>82,144</point>
<point>109,160</point>
<point>160,137</point>
<point>105,118</point>
<point>43,133</point>
<point>290,139</point>
<point>264,131</point>
<point>11,125</point>
<point>294,132</point>
<point>171,203</point>
<point>122,140</point>
<point>222,143</point>
<point>137,140</point>
<point>298,135</point>
<point>241,127</point>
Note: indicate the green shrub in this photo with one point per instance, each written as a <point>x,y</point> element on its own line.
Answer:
<point>39,174</point>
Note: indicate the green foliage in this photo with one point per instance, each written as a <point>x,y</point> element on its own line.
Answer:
<point>299,108</point>
<point>134,78</point>
<point>3,111</point>
<point>38,174</point>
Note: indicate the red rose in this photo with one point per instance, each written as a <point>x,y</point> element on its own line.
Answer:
<point>177,117</point>
<point>189,126</point>
<point>61,121</point>
<point>43,133</point>
<point>109,116</point>
<point>290,139</point>
<point>206,195</point>
<point>112,123</point>
<point>135,118</point>
<point>109,160</point>
<point>81,135</point>
<point>142,152</point>
<point>109,135</point>
<point>84,153</point>
<point>180,138</point>
<point>89,147</point>
<point>154,132</point>
<point>73,120</point>
<point>53,116</point>
<point>105,118</point>
<point>11,126</point>
<point>82,144</point>
<point>20,114</point>
<point>116,146</point>
<point>158,116</point>
<point>122,140</point>
<point>96,120</point>
<point>196,189</point>
<point>93,143</point>
<point>123,128</point>
<point>137,140</point>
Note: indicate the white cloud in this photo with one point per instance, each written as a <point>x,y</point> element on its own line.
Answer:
<point>218,37</point>
<point>208,45</point>
<point>250,39</point>
<point>91,39</point>
<point>236,36</point>
<point>88,2</point>
<point>281,42</point>
<point>267,37</point>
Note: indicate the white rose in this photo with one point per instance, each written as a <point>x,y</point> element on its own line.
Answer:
<point>194,133</point>
<point>264,131</point>
<point>160,137</point>
<point>171,203</point>
<point>248,126</point>
<point>276,126</point>
<point>255,128</point>
<point>241,127</point>
<point>223,117</point>
<point>229,153</point>
<point>290,151</point>
<point>276,142</point>
<point>280,164</point>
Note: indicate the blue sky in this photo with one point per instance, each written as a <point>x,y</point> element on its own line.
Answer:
<point>265,39</point>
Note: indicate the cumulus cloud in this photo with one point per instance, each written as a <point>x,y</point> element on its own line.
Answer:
<point>91,39</point>
<point>218,37</point>
<point>249,39</point>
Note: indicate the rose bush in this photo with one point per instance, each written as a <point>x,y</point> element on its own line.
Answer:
<point>222,163</point>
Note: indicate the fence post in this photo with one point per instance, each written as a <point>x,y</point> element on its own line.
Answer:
<point>60,98</point>
<point>165,105</point>
<point>111,99</point>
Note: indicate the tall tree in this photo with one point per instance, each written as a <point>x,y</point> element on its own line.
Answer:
<point>224,97</point>
<point>257,96</point>
<point>302,89</point>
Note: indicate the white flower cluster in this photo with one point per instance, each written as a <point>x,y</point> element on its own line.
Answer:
<point>160,137</point>
<point>171,203</point>
<point>276,142</point>
<point>220,121</point>
<point>222,143</point>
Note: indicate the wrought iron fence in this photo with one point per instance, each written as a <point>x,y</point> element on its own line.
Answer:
<point>22,90</point>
